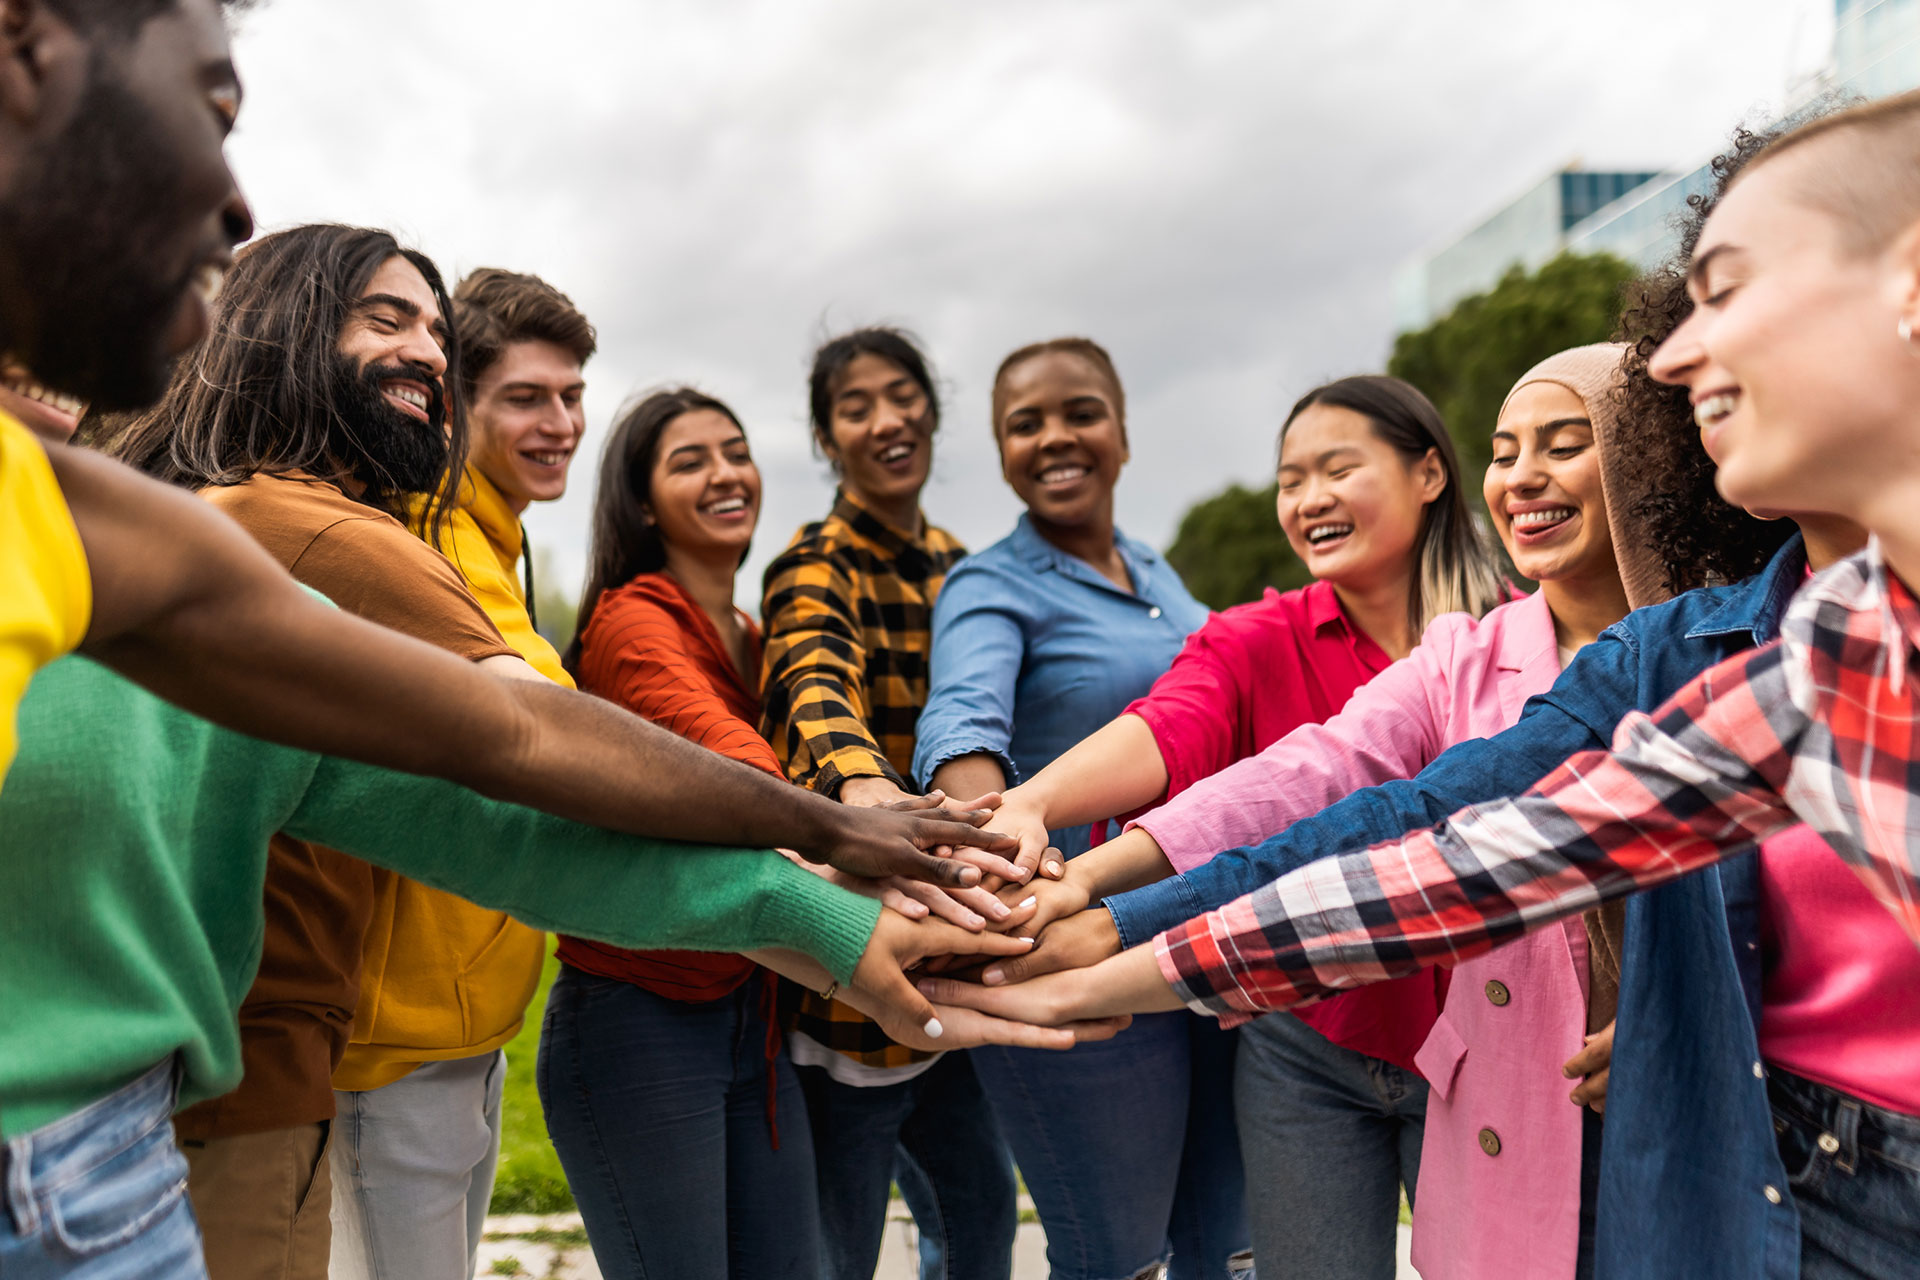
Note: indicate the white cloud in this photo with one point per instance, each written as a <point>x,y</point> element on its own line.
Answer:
<point>1218,190</point>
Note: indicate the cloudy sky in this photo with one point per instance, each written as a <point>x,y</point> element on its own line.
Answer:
<point>1218,190</point>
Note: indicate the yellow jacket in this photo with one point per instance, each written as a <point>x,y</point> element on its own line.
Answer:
<point>442,978</point>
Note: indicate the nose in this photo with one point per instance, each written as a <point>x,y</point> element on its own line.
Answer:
<point>1315,497</point>
<point>1526,475</point>
<point>1054,432</point>
<point>420,347</point>
<point>236,216</point>
<point>1675,360</point>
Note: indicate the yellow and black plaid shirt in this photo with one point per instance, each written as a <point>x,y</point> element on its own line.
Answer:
<point>849,629</point>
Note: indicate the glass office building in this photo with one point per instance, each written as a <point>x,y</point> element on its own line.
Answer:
<point>1876,51</point>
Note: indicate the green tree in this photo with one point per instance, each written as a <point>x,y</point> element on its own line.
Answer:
<point>1229,548</point>
<point>1467,360</point>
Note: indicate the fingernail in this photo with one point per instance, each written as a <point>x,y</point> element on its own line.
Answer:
<point>1025,903</point>
<point>1001,911</point>
<point>1027,940</point>
<point>993,977</point>
<point>933,1028</point>
<point>1053,868</point>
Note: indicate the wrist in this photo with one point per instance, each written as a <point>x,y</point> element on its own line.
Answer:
<point>822,824</point>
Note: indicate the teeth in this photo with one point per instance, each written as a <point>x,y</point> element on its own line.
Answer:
<point>45,395</point>
<point>1535,519</point>
<point>1058,475</point>
<point>546,458</point>
<point>1714,408</point>
<point>895,453</point>
<point>1326,531</point>
<point>407,395</point>
<point>207,281</point>
<point>725,506</point>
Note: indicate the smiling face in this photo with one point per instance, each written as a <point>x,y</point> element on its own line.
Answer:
<point>122,214</point>
<point>1802,390</point>
<point>527,418</point>
<point>390,379</point>
<point>49,414</point>
<point>881,432</point>
<point>1061,441</point>
<point>705,489</point>
<point>1543,485</point>
<point>1350,505</point>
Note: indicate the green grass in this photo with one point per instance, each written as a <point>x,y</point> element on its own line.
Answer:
<point>530,1180</point>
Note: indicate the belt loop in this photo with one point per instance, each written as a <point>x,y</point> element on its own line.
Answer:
<point>1846,1125</point>
<point>18,1191</point>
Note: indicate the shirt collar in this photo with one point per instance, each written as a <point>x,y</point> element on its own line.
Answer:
<point>1323,606</point>
<point>1041,554</point>
<point>850,512</point>
<point>1526,634</point>
<point>1757,605</point>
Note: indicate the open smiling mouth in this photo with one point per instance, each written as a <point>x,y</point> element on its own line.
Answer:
<point>1715,409</point>
<point>547,457</point>
<point>1063,473</point>
<point>22,385</point>
<point>410,396</point>
<point>725,508</point>
<point>1323,536</point>
<point>1538,524</point>
<point>896,455</point>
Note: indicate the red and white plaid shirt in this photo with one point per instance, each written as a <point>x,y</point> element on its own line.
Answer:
<point>1822,727</point>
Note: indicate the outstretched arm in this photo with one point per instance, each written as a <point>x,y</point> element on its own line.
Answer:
<point>187,605</point>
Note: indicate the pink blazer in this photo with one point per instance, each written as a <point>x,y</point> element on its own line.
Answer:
<point>1499,1191</point>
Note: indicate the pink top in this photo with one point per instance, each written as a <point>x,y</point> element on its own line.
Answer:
<point>1243,681</point>
<point>1841,1002</point>
<point>1511,1017</point>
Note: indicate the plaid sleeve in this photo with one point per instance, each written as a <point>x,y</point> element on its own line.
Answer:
<point>813,690</point>
<point>1696,782</point>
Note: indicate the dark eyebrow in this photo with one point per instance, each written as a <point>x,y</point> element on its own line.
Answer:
<point>541,386</point>
<point>1558,423</point>
<point>410,310</point>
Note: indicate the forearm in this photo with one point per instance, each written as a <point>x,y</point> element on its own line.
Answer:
<point>1127,862</point>
<point>554,874</point>
<point>1115,770</point>
<point>1130,982</point>
<point>968,776</point>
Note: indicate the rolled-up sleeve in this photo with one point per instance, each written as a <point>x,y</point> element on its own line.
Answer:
<point>979,640</point>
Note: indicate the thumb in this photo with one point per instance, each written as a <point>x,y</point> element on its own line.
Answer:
<point>937,937</point>
<point>900,995</point>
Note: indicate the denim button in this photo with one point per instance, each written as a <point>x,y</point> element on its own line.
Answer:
<point>1154,612</point>
<point>1772,1193</point>
<point>1759,1072</point>
<point>1497,993</point>
<point>1490,1142</point>
<point>1827,1143</point>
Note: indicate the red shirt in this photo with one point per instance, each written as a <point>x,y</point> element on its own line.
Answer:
<point>1246,679</point>
<point>654,651</point>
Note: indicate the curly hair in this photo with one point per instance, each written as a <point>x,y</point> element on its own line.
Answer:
<point>1698,535</point>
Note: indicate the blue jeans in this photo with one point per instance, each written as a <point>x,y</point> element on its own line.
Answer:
<point>1329,1136</point>
<point>1855,1170</point>
<point>955,1173</point>
<point>658,1110</point>
<point>101,1194</point>
<point>1128,1147</point>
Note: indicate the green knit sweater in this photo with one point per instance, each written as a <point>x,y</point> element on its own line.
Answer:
<point>133,853</point>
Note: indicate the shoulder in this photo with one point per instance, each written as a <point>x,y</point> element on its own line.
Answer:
<point>1275,618</point>
<point>650,606</point>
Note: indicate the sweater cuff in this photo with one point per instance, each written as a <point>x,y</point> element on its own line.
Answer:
<point>831,924</point>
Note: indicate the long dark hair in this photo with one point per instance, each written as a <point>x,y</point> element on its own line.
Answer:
<point>625,543</point>
<point>258,394</point>
<point>896,346</point>
<point>1455,570</point>
<point>1698,535</point>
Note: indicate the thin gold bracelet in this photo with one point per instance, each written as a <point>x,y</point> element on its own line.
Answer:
<point>831,988</point>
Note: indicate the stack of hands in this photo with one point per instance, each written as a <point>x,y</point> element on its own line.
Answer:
<point>994,938</point>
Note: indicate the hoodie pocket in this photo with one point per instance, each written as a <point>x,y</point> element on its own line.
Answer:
<point>496,984</point>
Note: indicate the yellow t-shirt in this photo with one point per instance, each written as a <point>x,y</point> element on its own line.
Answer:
<point>46,593</point>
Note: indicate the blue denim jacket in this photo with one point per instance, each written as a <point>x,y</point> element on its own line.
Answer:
<point>1690,1181</point>
<point>1033,650</point>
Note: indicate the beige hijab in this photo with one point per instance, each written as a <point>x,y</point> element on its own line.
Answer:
<point>1594,373</point>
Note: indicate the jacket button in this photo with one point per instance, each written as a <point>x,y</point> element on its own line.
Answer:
<point>1154,612</point>
<point>1497,992</point>
<point>1490,1142</point>
<point>1827,1143</point>
<point>1772,1194</point>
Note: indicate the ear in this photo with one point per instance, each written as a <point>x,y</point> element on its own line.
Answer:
<point>1904,259</point>
<point>1430,474</point>
<point>40,57</point>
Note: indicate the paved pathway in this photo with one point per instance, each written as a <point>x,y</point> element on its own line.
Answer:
<point>555,1248</point>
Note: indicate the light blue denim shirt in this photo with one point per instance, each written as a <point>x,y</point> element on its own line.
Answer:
<point>1033,650</point>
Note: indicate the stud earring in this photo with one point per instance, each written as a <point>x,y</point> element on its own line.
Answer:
<point>1904,329</point>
